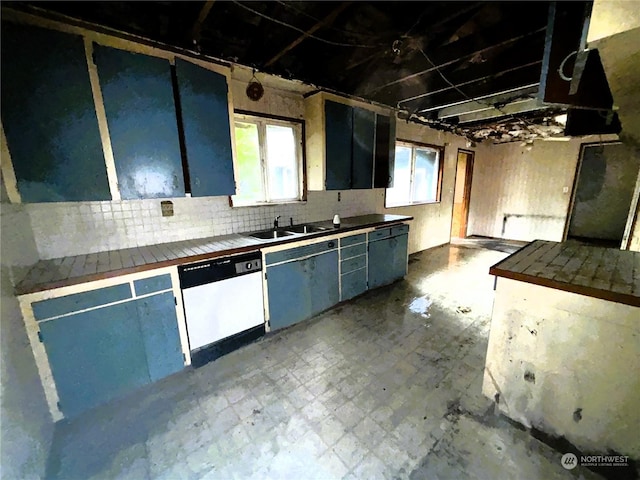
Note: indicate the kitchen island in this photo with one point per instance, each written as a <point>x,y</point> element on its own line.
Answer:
<point>564,347</point>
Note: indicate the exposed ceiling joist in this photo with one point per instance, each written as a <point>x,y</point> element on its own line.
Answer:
<point>328,20</point>
<point>486,102</point>
<point>509,93</point>
<point>513,108</point>
<point>455,60</point>
<point>202,16</point>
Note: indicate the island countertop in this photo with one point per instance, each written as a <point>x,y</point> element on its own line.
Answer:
<point>62,272</point>
<point>606,273</point>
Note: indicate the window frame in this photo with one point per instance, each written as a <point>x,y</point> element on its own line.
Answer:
<point>414,145</point>
<point>262,120</point>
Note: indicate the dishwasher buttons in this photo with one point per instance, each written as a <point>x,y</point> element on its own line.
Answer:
<point>249,266</point>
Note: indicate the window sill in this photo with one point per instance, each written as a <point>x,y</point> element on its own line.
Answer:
<point>417,204</point>
<point>267,204</point>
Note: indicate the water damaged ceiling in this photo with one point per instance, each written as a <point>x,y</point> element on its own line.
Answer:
<point>474,68</point>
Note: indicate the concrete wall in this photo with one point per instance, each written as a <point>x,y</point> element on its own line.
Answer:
<point>566,364</point>
<point>517,191</point>
<point>26,427</point>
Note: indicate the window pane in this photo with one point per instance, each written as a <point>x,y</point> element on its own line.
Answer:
<point>425,183</point>
<point>399,194</point>
<point>249,171</point>
<point>281,161</point>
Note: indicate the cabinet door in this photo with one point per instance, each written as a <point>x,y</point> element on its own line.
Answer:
<point>95,355</point>
<point>289,293</point>
<point>399,247</point>
<point>353,284</point>
<point>161,339</point>
<point>49,117</point>
<point>363,146</point>
<point>387,260</point>
<point>384,151</point>
<point>338,135</point>
<point>204,109</point>
<point>141,115</point>
<point>322,279</point>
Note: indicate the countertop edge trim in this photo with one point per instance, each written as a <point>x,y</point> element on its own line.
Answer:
<point>25,290</point>
<point>624,298</point>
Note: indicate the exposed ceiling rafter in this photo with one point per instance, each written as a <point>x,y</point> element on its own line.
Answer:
<point>328,20</point>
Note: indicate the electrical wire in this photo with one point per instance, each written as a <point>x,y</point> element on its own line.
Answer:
<point>527,124</point>
<point>312,17</point>
<point>323,40</point>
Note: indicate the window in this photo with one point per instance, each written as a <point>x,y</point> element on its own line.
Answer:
<point>417,175</point>
<point>268,160</point>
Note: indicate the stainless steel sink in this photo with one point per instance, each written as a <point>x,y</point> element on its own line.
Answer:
<point>305,229</point>
<point>268,234</point>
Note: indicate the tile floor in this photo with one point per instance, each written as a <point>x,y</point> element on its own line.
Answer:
<point>386,386</point>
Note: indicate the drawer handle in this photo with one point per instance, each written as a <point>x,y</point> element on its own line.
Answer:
<point>331,244</point>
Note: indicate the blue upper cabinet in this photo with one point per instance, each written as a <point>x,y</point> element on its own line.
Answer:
<point>141,116</point>
<point>364,130</point>
<point>204,107</point>
<point>49,117</point>
<point>338,128</point>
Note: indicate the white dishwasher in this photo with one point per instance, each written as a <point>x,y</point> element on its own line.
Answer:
<point>223,304</point>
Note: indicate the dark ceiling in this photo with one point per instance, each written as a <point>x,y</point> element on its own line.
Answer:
<point>420,57</point>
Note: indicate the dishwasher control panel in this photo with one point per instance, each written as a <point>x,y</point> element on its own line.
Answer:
<point>217,269</point>
<point>249,266</point>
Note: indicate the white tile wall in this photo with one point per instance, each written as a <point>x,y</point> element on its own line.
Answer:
<point>63,229</point>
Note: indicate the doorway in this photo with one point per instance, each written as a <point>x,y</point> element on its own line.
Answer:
<point>602,194</point>
<point>462,194</point>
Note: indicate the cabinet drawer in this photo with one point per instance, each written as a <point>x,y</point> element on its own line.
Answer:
<point>153,284</point>
<point>399,230</point>
<point>299,252</point>
<point>380,233</point>
<point>353,251</point>
<point>55,307</point>
<point>352,240</point>
<point>354,263</point>
<point>353,284</point>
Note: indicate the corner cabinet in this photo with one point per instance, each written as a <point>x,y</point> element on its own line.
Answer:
<point>102,343</point>
<point>349,146</point>
<point>301,282</point>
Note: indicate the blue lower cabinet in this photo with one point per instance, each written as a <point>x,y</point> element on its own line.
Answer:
<point>300,289</point>
<point>159,325</point>
<point>387,260</point>
<point>95,356</point>
<point>323,281</point>
<point>100,354</point>
<point>289,294</point>
<point>353,284</point>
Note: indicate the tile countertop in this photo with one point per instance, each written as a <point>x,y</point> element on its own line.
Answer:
<point>62,272</point>
<point>605,273</point>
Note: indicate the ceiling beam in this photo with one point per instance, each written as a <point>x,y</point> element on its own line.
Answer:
<point>197,26</point>
<point>513,108</point>
<point>328,20</point>
<point>485,102</point>
<point>420,73</point>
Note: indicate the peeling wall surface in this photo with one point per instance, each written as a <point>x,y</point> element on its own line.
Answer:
<point>603,192</point>
<point>517,191</point>
<point>27,428</point>
<point>566,364</point>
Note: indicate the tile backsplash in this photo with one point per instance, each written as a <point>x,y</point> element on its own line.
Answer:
<point>64,229</point>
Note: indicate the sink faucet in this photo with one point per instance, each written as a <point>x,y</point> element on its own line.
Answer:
<point>275,222</point>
